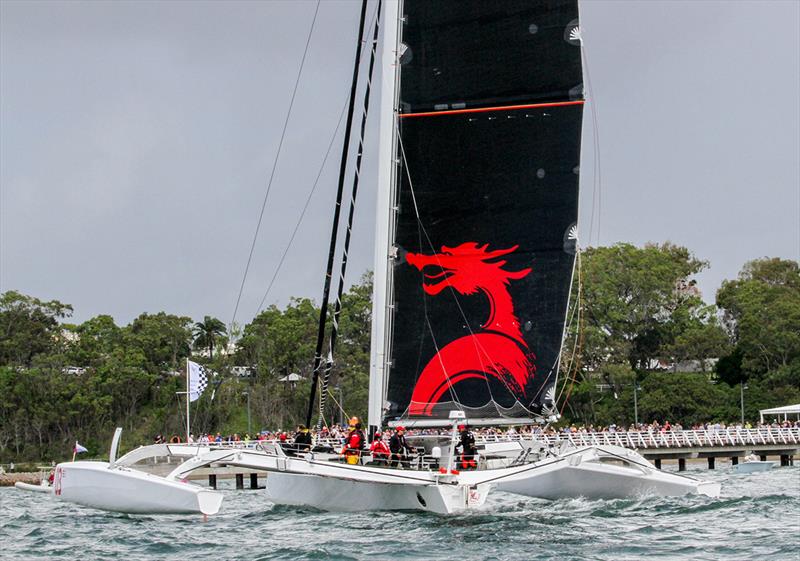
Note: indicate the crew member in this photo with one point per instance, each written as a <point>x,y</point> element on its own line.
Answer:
<point>468,449</point>
<point>380,451</point>
<point>302,440</point>
<point>354,442</point>
<point>399,448</point>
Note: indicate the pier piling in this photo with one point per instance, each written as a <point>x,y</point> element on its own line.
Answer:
<point>734,460</point>
<point>681,464</point>
<point>254,481</point>
<point>212,480</point>
<point>711,460</point>
<point>239,481</point>
<point>658,463</point>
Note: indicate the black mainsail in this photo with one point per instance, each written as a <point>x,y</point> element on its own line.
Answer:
<point>489,116</point>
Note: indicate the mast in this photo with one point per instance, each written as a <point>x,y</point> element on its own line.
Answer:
<point>323,312</point>
<point>387,168</point>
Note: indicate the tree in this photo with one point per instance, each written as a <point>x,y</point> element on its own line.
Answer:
<point>638,302</point>
<point>281,341</point>
<point>762,312</point>
<point>28,327</point>
<point>163,339</point>
<point>351,359</point>
<point>208,331</point>
<point>95,340</point>
<point>688,398</point>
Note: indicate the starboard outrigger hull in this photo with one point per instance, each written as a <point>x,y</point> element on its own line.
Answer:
<point>601,472</point>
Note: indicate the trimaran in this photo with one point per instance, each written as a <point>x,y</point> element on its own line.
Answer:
<point>475,244</point>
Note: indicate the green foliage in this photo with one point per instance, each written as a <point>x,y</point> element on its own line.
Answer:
<point>281,341</point>
<point>94,341</point>
<point>28,327</point>
<point>762,312</point>
<point>640,305</point>
<point>351,368</point>
<point>163,338</point>
<point>208,332</point>
<point>729,368</point>
<point>689,398</point>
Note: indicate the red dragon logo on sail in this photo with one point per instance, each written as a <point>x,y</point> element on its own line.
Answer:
<point>498,350</point>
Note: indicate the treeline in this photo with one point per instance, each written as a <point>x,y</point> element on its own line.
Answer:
<point>636,319</point>
<point>61,382</point>
<point>641,323</point>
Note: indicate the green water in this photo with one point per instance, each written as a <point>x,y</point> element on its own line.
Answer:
<point>757,517</point>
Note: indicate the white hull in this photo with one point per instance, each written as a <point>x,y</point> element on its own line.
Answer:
<point>35,488</point>
<point>353,496</point>
<point>607,472</point>
<point>117,489</point>
<point>338,486</point>
<point>754,466</point>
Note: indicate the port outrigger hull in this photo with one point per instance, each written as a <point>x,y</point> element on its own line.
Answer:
<point>119,489</point>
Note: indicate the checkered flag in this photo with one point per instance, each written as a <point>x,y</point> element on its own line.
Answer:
<point>198,380</point>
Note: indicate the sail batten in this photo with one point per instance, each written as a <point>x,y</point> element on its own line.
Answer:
<point>487,157</point>
<point>495,108</point>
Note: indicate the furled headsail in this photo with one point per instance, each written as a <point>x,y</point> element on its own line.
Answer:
<point>489,125</point>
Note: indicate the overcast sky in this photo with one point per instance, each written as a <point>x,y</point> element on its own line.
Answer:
<point>137,140</point>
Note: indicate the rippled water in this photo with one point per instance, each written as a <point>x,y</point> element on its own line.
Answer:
<point>757,517</point>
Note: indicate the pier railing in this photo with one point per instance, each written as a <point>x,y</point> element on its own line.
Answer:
<point>642,440</point>
<point>666,439</point>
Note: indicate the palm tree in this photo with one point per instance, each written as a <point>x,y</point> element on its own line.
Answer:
<point>207,331</point>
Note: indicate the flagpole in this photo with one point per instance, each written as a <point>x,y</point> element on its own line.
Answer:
<point>187,400</point>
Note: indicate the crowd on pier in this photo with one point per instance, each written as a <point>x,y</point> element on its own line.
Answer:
<point>339,432</point>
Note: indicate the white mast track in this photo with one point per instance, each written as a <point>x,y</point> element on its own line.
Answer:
<point>387,167</point>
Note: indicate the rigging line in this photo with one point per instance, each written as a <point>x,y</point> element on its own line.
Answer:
<point>573,321</point>
<point>556,367</point>
<point>339,405</point>
<point>337,307</point>
<point>421,230</point>
<point>307,203</point>
<point>480,351</point>
<point>303,212</point>
<point>597,179</point>
<point>571,362</point>
<point>323,314</point>
<point>275,164</point>
<point>579,343</point>
<point>575,314</point>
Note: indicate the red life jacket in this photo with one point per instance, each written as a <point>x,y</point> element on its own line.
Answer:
<point>354,440</point>
<point>379,448</point>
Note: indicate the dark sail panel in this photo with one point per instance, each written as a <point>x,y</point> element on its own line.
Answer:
<point>487,209</point>
<point>479,53</point>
